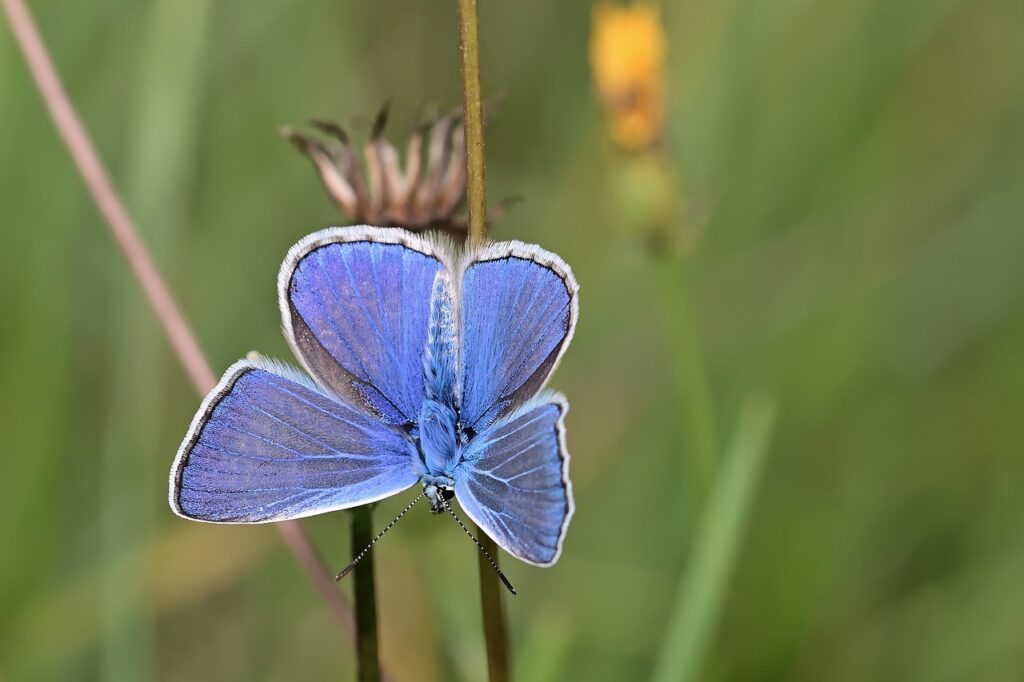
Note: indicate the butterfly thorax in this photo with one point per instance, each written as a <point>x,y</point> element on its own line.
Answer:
<point>438,438</point>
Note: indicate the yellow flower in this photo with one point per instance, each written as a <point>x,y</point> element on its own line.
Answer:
<point>627,56</point>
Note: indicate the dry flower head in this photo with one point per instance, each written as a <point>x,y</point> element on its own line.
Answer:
<point>428,192</point>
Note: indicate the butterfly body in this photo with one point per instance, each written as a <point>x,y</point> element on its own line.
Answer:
<point>427,368</point>
<point>438,444</point>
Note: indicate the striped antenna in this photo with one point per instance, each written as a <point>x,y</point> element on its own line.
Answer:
<point>472,537</point>
<point>359,557</point>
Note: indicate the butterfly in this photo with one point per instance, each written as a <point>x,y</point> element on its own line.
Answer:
<point>424,367</point>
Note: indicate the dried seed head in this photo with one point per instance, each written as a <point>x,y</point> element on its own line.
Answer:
<point>428,192</point>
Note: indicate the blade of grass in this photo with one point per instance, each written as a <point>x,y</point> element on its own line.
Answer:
<point>703,588</point>
<point>495,624</point>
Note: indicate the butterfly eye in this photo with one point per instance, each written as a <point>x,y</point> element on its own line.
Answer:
<point>409,427</point>
<point>468,433</point>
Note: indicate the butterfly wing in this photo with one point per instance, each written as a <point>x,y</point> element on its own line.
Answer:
<point>514,481</point>
<point>268,445</point>
<point>519,309</point>
<point>355,303</point>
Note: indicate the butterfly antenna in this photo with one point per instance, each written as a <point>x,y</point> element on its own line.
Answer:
<point>472,537</point>
<point>359,557</point>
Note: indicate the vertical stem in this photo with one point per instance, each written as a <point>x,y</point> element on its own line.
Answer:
<point>367,656</point>
<point>495,625</point>
<point>108,202</point>
<point>474,120</point>
<point>692,388</point>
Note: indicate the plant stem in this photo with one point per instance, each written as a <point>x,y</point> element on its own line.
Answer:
<point>365,588</point>
<point>703,588</point>
<point>692,388</point>
<point>474,121</point>
<point>495,625</point>
<point>97,181</point>
<point>177,330</point>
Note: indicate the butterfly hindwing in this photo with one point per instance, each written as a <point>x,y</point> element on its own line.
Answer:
<point>268,445</point>
<point>514,481</point>
<point>355,303</point>
<point>519,309</point>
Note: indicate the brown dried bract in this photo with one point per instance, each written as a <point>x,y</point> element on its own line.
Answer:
<point>429,192</point>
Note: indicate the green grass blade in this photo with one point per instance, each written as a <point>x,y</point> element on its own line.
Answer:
<point>703,587</point>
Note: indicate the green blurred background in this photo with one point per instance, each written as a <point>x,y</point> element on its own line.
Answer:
<point>857,172</point>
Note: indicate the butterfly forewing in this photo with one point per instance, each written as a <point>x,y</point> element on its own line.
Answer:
<point>519,308</point>
<point>355,303</point>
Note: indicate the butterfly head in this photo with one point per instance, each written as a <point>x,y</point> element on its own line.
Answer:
<point>438,490</point>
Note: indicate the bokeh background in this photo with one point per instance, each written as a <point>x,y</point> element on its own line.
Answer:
<point>851,178</point>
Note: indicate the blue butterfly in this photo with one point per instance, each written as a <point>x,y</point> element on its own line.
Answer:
<point>427,369</point>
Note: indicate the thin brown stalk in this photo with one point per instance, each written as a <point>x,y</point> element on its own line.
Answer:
<point>176,328</point>
<point>495,623</point>
<point>82,152</point>
<point>474,120</point>
<point>365,592</point>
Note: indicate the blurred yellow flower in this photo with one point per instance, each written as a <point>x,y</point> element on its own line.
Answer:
<point>627,56</point>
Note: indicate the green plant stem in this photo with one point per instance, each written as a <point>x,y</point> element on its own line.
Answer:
<point>474,121</point>
<point>495,625</point>
<point>692,388</point>
<point>702,591</point>
<point>365,588</point>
